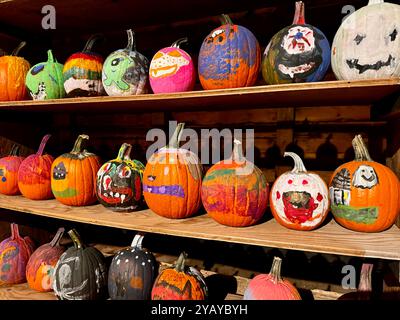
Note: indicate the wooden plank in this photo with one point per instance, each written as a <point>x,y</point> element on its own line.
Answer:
<point>23,292</point>
<point>330,238</point>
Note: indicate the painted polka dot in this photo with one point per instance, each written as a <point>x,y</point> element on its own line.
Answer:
<point>137,257</point>
<point>4,179</point>
<point>143,263</point>
<point>118,262</point>
<point>149,261</point>
<point>290,181</point>
<point>126,260</point>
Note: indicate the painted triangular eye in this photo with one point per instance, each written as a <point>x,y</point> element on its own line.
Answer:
<point>359,38</point>
<point>393,35</point>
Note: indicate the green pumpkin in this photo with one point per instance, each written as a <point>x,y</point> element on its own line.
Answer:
<point>45,80</point>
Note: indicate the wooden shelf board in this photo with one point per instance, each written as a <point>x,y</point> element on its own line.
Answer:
<point>326,93</point>
<point>330,238</point>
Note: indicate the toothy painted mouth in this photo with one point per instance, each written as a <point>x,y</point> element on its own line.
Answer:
<point>299,206</point>
<point>164,71</point>
<point>174,190</point>
<point>115,196</point>
<point>292,71</point>
<point>353,64</point>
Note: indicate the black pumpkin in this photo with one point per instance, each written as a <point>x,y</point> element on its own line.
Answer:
<point>132,272</point>
<point>80,273</point>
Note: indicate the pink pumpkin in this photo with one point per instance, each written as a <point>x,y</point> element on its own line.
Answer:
<point>172,70</point>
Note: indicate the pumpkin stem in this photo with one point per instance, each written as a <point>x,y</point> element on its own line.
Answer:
<point>375,2</point>
<point>57,237</point>
<point>276,269</point>
<point>360,149</point>
<point>89,44</point>
<point>131,40</point>
<point>78,143</point>
<point>43,144</point>
<point>124,152</point>
<point>137,241</point>
<point>180,264</point>
<point>74,235</point>
<point>299,15</point>
<point>237,152</point>
<point>50,57</point>
<point>14,150</point>
<point>298,163</point>
<point>365,284</point>
<point>17,49</point>
<point>14,231</point>
<point>174,141</point>
<point>225,19</point>
<point>178,42</point>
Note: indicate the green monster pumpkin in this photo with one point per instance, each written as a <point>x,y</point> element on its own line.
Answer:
<point>45,79</point>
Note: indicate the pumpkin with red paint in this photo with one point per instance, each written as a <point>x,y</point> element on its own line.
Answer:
<point>9,172</point>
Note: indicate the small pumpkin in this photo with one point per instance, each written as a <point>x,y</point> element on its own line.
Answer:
<point>367,44</point>
<point>364,194</point>
<point>172,70</point>
<point>13,70</point>
<point>271,286</point>
<point>297,53</point>
<point>125,71</point>
<point>9,172</point>
<point>14,255</point>
<point>132,272</point>
<point>172,180</point>
<point>179,283</point>
<point>119,182</point>
<point>235,191</point>
<point>45,79</point>
<point>73,175</point>
<point>34,174</point>
<point>299,199</point>
<point>80,273</point>
<point>82,72</point>
<point>40,267</point>
<point>229,57</point>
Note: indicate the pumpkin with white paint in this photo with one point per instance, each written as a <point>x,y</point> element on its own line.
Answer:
<point>367,44</point>
<point>299,199</point>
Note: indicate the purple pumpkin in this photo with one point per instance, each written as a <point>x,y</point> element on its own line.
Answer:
<point>14,255</point>
<point>172,70</point>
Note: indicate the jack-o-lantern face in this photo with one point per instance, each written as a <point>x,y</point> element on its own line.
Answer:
<point>367,44</point>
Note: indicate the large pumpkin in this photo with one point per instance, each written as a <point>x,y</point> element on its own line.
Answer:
<point>367,44</point>
<point>45,79</point>
<point>172,70</point>
<point>119,182</point>
<point>40,267</point>
<point>13,70</point>
<point>271,286</point>
<point>82,72</point>
<point>229,57</point>
<point>179,283</point>
<point>234,191</point>
<point>73,175</point>
<point>34,174</point>
<point>297,53</point>
<point>80,273</point>
<point>172,180</point>
<point>14,255</point>
<point>125,71</point>
<point>132,272</point>
<point>365,195</point>
<point>299,199</point>
<point>9,172</point>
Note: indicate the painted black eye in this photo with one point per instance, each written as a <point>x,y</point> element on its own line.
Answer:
<point>116,62</point>
<point>359,38</point>
<point>393,35</point>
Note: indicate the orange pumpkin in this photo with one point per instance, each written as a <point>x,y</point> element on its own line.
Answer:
<point>365,195</point>
<point>172,180</point>
<point>34,174</point>
<point>73,178</point>
<point>9,172</point>
<point>13,71</point>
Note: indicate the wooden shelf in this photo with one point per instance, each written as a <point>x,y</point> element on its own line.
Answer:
<point>331,238</point>
<point>327,93</point>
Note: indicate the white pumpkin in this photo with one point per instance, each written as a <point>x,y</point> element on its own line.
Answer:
<point>367,44</point>
<point>299,199</point>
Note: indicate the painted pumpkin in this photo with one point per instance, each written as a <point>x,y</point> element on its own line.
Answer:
<point>179,283</point>
<point>40,267</point>
<point>297,53</point>
<point>34,174</point>
<point>229,57</point>
<point>13,70</point>
<point>172,180</point>
<point>119,182</point>
<point>73,175</point>
<point>172,70</point>
<point>45,79</point>
<point>82,72</point>
<point>80,273</point>
<point>299,199</point>
<point>234,191</point>
<point>367,44</point>
<point>364,194</point>
<point>126,71</point>
<point>9,172</point>
<point>271,286</point>
<point>14,255</point>
<point>132,273</point>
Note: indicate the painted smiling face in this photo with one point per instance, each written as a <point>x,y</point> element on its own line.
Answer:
<point>367,44</point>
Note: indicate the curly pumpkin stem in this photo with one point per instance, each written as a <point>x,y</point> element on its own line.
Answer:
<point>180,263</point>
<point>276,269</point>
<point>225,19</point>
<point>76,239</point>
<point>43,144</point>
<point>57,238</point>
<point>237,152</point>
<point>131,40</point>
<point>17,49</point>
<point>89,44</point>
<point>365,284</point>
<point>14,150</point>
<point>299,15</point>
<point>298,163</point>
<point>178,42</point>
<point>176,137</point>
<point>124,152</point>
<point>78,143</point>
<point>137,241</point>
<point>14,231</point>
<point>360,149</point>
